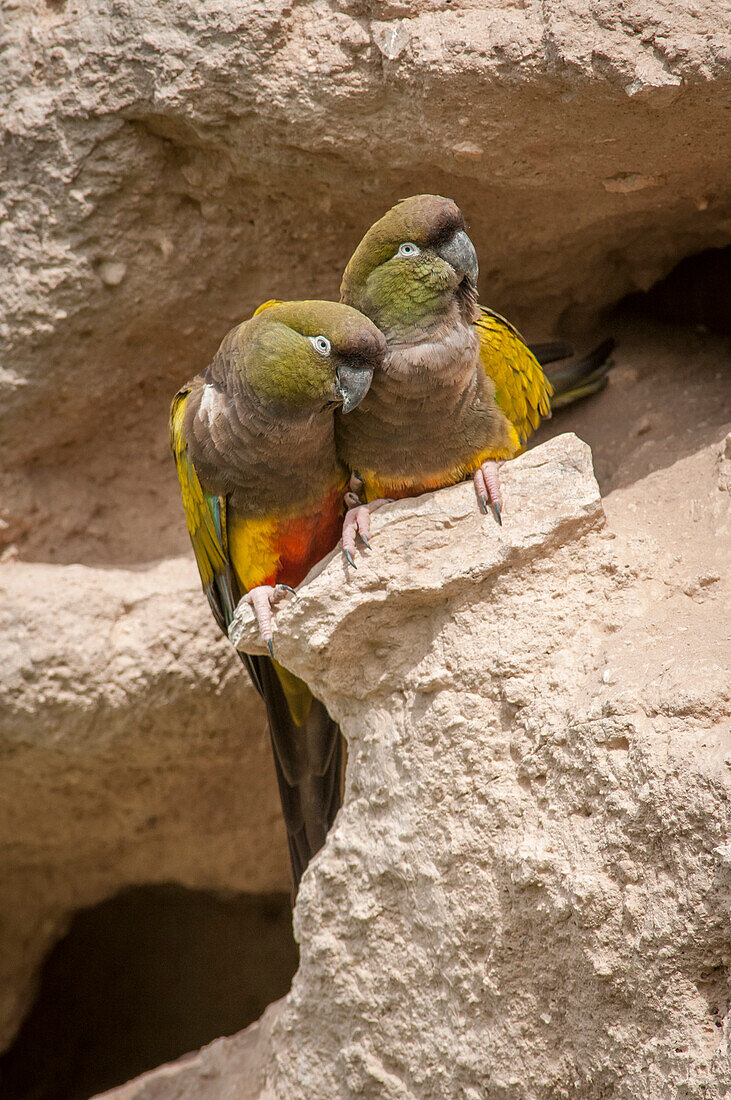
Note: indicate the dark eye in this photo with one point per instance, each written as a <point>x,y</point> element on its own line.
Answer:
<point>408,249</point>
<point>321,344</point>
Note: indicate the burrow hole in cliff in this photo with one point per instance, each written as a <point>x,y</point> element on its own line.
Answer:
<point>669,393</point>
<point>696,292</point>
<point>145,977</point>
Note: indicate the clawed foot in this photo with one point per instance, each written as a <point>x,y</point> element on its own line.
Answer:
<point>357,523</point>
<point>487,487</point>
<point>357,520</point>
<point>262,599</point>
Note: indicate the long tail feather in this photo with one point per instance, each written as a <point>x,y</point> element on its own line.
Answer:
<point>551,351</point>
<point>308,758</point>
<point>581,377</point>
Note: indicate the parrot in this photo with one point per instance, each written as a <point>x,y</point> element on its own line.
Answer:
<point>253,442</point>
<point>460,390</point>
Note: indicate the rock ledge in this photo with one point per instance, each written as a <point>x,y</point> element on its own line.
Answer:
<point>525,893</point>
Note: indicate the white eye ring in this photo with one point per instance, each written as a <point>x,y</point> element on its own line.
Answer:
<point>408,249</point>
<point>321,344</point>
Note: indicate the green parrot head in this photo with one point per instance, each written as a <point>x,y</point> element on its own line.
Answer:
<point>303,357</point>
<point>413,267</point>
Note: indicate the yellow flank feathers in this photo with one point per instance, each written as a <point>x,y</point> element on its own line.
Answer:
<point>210,554</point>
<point>252,550</point>
<point>521,388</point>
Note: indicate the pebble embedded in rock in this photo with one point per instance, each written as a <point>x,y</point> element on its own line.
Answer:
<point>111,272</point>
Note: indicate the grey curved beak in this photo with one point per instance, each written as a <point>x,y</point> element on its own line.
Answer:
<point>353,384</point>
<point>459,252</point>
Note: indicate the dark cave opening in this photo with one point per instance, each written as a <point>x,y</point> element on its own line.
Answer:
<point>143,978</point>
<point>696,292</point>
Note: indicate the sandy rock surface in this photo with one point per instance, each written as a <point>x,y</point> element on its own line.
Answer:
<point>133,750</point>
<point>526,892</point>
<point>167,166</point>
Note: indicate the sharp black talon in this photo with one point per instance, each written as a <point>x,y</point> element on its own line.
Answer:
<point>365,542</point>
<point>390,500</point>
<point>349,559</point>
<point>483,504</point>
<point>289,589</point>
<point>497,514</point>
<point>270,647</point>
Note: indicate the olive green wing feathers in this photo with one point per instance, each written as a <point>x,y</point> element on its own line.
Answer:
<point>521,388</point>
<point>205,517</point>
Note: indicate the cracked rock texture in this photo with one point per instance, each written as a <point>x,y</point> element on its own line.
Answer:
<point>526,893</point>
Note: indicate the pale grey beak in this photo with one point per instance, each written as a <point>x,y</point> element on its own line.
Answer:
<point>353,383</point>
<point>459,252</point>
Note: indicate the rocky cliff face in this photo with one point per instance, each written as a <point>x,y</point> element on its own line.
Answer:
<point>168,166</point>
<point>526,892</point>
<point>133,752</point>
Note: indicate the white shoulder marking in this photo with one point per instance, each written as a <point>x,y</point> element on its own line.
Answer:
<point>211,403</point>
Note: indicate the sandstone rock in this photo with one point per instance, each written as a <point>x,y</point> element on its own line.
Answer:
<point>134,751</point>
<point>526,892</point>
<point>169,165</point>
